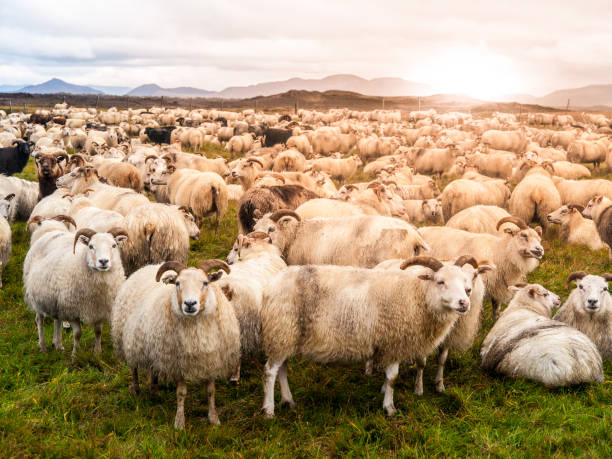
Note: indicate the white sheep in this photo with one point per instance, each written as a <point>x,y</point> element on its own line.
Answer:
<point>576,229</point>
<point>478,219</point>
<point>5,231</point>
<point>175,322</point>
<point>589,309</point>
<point>525,342</point>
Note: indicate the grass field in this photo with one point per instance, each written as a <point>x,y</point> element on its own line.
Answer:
<point>54,408</point>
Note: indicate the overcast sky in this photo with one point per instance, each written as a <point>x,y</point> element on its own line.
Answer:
<point>531,46</point>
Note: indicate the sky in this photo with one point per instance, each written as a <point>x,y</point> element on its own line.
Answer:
<point>480,48</point>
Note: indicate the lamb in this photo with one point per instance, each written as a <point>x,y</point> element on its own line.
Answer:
<point>14,158</point>
<point>589,309</point>
<point>461,337</point>
<point>181,329</point>
<point>535,197</point>
<point>254,261</point>
<point>257,202</point>
<point>83,273</point>
<point>515,253</point>
<point>423,211</point>
<point>525,342</point>
<point>338,168</point>
<point>5,231</point>
<point>352,241</point>
<point>478,219</point>
<point>332,314</point>
<point>461,194</point>
<point>576,229</point>
<point>599,209</point>
<point>580,192</point>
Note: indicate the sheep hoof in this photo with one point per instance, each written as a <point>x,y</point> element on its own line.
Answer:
<point>179,423</point>
<point>42,348</point>
<point>390,409</point>
<point>58,347</point>
<point>440,386</point>
<point>235,382</point>
<point>214,420</point>
<point>98,350</point>
<point>267,414</point>
<point>418,391</point>
<point>289,403</point>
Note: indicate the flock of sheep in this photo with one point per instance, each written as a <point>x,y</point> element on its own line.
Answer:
<point>381,272</point>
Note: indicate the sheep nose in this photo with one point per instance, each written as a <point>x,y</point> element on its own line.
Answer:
<point>190,303</point>
<point>592,303</point>
<point>103,261</point>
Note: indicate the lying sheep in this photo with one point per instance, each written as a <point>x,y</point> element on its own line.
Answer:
<point>525,342</point>
<point>461,194</point>
<point>576,229</point>
<point>254,261</point>
<point>81,276</point>
<point>589,309</point>
<point>580,192</point>
<point>599,209</point>
<point>331,314</point>
<point>353,241</point>
<point>175,322</point>
<point>478,219</point>
<point>515,253</point>
<point>5,231</point>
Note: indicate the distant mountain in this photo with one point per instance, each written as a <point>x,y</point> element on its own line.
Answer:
<point>10,87</point>
<point>376,87</point>
<point>112,90</point>
<point>585,97</point>
<point>153,90</point>
<point>57,86</point>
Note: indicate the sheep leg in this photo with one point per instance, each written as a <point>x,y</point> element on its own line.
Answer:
<point>216,222</point>
<point>57,335</point>
<point>369,367</point>
<point>418,382</point>
<point>76,335</point>
<point>286,396</point>
<point>236,376</point>
<point>440,374</point>
<point>270,373</point>
<point>98,333</point>
<point>181,392</point>
<point>134,385</point>
<point>40,322</point>
<point>391,373</point>
<point>153,383</point>
<point>213,418</point>
<point>495,305</point>
<point>1,274</point>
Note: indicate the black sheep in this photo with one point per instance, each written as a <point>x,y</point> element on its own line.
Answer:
<point>160,134</point>
<point>273,136</point>
<point>13,159</point>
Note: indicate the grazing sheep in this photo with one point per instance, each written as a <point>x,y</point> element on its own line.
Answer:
<point>525,342</point>
<point>576,229</point>
<point>332,314</point>
<point>181,329</point>
<point>515,253</point>
<point>535,197</point>
<point>82,273</point>
<point>589,309</point>
<point>587,151</point>
<point>478,219</point>
<point>352,241</point>
<point>599,209</point>
<point>514,141</point>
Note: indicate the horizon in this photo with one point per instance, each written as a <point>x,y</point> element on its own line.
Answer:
<point>483,51</point>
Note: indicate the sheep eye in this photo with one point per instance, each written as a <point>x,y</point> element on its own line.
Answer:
<point>91,246</point>
<point>204,284</point>
<point>605,289</point>
<point>440,282</point>
<point>468,291</point>
<point>546,294</point>
<point>524,236</point>
<point>177,283</point>
<point>271,229</point>
<point>114,246</point>
<point>581,287</point>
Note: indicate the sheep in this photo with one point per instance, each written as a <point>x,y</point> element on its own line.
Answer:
<point>352,241</point>
<point>175,322</point>
<point>121,174</point>
<point>259,201</point>
<point>436,160</point>
<point>82,273</point>
<point>461,337</point>
<point>273,136</point>
<point>576,229</point>
<point>289,160</point>
<point>525,342</point>
<point>254,261</point>
<point>478,219</point>
<point>191,161</point>
<point>428,190</point>
<point>588,309</point>
<point>301,144</point>
<point>26,196</point>
<point>570,171</point>
<point>86,215</point>
<point>423,211</point>
<point>599,209</point>
<point>515,253</point>
<point>580,192</point>
<point>14,158</point>
<point>514,141</point>
<point>378,198</point>
<point>246,171</point>
<point>49,168</point>
<point>5,231</point>
<point>493,165</point>
<point>39,226</point>
<point>159,134</point>
<point>328,208</point>
<point>535,197</point>
<point>332,314</point>
<point>338,168</point>
<point>240,143</point>
<point>462,194</point>
<point>587,151</point>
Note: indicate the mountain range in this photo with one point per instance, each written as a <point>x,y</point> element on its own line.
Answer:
<point>586,96</point>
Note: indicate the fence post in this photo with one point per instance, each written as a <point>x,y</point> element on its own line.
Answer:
<point>25,109</point>
<point>10,106</point>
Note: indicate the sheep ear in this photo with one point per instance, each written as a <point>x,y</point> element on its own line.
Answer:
<point>285,220</point>
<point>510,231</point>
<point>84,239</point>
<point>538,230</point>
<point>215,276</point>
<point>532,292</point>
<point>169,277</point>
<point>513,288</point>
<point>121,238</point>
<point>484,269</point>
<point>257,213</point>
<point>427,277</point>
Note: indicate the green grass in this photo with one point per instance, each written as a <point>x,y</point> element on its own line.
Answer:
<point>54,408</point>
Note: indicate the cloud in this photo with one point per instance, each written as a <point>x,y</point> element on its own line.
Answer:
<point>544,45</point>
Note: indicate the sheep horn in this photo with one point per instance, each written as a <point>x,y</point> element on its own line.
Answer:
<point>207,265</point>
<point>82,232</point>
<point>576,275</point>
<point>521,284</point>
<point>512,219</point>
<point>607,277</point>
<point>116,231</point>
<point>149,157</point>
<point>77,159</point>
<point>373,185</point>
<point>429,262</point>
<point>63,156</point>
<point>9,196</point>
<point>466,259</point>
<point>255,160</point>
<point>35,219</point>
<point>257,235</point>
<point>577,207</point>
<point>65,219</point>
<point>276,216</point>
<point>169,266</point>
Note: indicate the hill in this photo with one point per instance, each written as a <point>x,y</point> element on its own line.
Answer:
<point>57,86</point>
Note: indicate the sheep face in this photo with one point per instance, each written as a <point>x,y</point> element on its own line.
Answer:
<point>281,232</point>
<point>432,208</point>
<point>245,169</point>
<point>190,222</point>
<point>68,180</point>
<point>5,205</point>
<point>535,293</point>
<point>593,291</point>
<point>595,206</point>
<point>452,287</point>
<point>249,245</point>
<point>526,242</point>
<point>192,294</point>
<point>559,216</point>
<point>102,250</point>
<point>48,165</point>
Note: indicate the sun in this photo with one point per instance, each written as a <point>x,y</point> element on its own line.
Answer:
<point>473,71</point>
